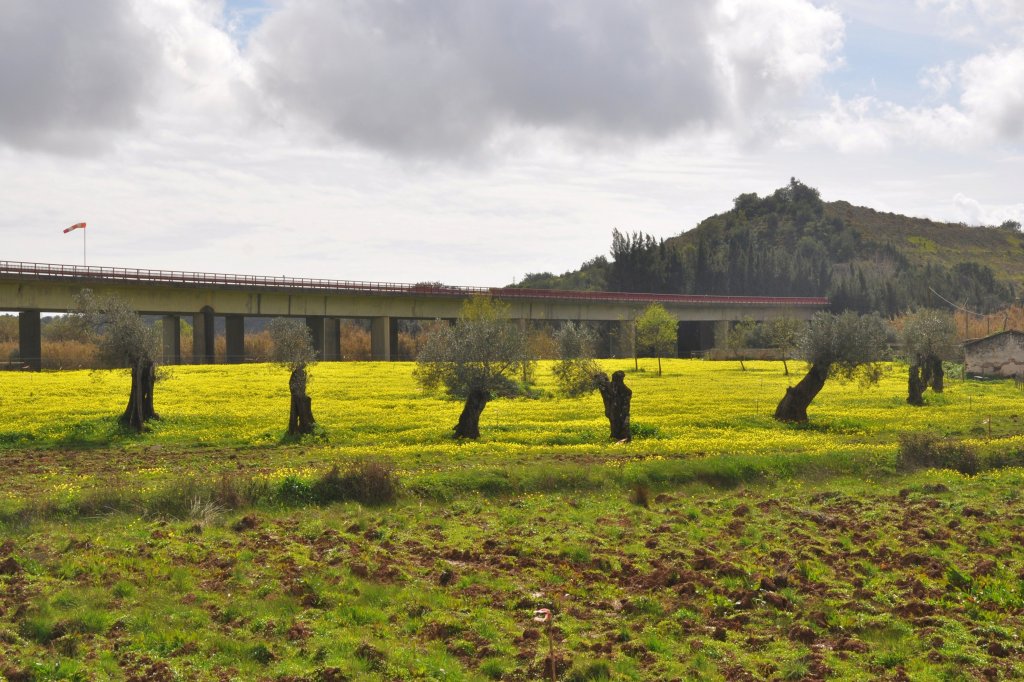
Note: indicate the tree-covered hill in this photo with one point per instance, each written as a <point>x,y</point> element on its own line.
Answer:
<point>791,243</point>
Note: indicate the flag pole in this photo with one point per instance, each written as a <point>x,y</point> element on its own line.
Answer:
<point>79,226</point>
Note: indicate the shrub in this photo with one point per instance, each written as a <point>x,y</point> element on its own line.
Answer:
<point>369,482</point>
<point>924,450</point>
<point>638,430</point>
<point>294,491</point>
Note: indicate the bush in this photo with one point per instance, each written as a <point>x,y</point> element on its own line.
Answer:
<point>369,482</point>
<point>294,491</point>
<point>924,450</point>
<point>638,430</point>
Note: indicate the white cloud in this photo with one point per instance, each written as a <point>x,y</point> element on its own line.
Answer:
<point>993,92</point>
<point>938,80</point>
<point>984,105</point>
<point>596,114</point>
<point>988,11</point>
<point>773,51</point>
<point>973,212</point>
<point>450,76</point>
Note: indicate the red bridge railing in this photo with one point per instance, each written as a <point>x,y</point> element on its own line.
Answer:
<point>92,274</point>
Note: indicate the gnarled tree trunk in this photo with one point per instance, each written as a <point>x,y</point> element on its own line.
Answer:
<point>300,419</point>
<point>616,396</point>
<point>469,420</point>
<point>140,401</point>
<point>937,375</point>
<point>793,407</point>
<point>915,386</point>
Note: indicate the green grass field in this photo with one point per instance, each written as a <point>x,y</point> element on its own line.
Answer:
<point>718,545</point>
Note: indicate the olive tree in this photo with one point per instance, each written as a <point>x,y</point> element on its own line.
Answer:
<point>842,346</point>
<point>928,336</point>
<point>475,358</point>
<point>293,349</point>
<point>577,374</point>
<point>783,333</point>
<point>575,368</point>
<point>656,332</point>
<point>123,340</point>
<point>616,396</point>
<point>738,337</point>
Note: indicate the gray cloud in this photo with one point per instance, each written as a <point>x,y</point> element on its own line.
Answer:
<point>450,76</point>
<point>72,72</point>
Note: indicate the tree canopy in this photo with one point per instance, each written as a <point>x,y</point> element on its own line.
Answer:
<point>928,337</point>
<point>123,339</point>
<point>121,335</point>
<point>483,350</point>
<point>738,338</point>
<point>842,346</point>
<point>656,332</point>
<point>575,368</point>
<point>292,344</point>
<point>783,333</point>
<point>850,345</point>
<point>928,333</point>
<point>293,349</point>
<point>478,356</point>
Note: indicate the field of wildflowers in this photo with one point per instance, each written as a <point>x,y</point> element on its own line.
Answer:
<point>718,545</point>
<point>56,421</point>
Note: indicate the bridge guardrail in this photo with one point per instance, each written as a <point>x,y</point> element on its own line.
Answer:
<point>17,269</point>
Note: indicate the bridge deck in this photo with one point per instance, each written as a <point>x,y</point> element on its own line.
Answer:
<point>91,274</point>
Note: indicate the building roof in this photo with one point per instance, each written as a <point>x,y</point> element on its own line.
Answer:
<point>972,342</point>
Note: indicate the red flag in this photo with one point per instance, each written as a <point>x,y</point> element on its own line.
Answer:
<point>75,227</point>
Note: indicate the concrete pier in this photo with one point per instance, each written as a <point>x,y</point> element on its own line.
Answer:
<point>171,328</point>
<point>380,338</point>
<point>203,337</point>
<point>234,337</point>
<point>30,340</point>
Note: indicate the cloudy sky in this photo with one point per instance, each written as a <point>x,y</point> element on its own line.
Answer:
<point>472,142</point>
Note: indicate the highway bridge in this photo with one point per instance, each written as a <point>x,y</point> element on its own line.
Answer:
<point>34,288</point>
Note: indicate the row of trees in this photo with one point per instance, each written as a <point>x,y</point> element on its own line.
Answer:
<point>484,355</point>
<point>125,340</point>
<point>477,356</point>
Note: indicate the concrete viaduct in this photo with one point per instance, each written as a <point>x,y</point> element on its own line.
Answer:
<point>32,288</point>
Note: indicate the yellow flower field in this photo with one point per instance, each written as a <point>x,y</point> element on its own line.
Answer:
<point>695,409</point>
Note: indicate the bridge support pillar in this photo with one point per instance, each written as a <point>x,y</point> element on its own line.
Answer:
<point>332,339</point>
<point>171,328</point>
<point>234,336</point>
<point>605,332</point>
<point>396,350</point>
<point>202,337</point>
<point>315,324</point>
<point>721,331</point>
<point>30,340</point>
<point>624,339</point>
<point>380,338</point>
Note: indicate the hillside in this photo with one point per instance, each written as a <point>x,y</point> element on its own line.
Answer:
<point>923,240</point>
<point>791,243</point>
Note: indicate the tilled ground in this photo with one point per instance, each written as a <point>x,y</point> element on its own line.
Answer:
<point>913,578</point>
